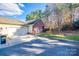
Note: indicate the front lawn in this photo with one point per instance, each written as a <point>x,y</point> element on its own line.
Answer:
<point>59,36</point>
<point>71,37</point>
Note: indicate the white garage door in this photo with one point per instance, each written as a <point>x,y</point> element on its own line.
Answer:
<point>21,31</point>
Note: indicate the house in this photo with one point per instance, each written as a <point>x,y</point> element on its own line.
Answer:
<point>10,28</point>
<point>12,31</point>
<point>35,26</point>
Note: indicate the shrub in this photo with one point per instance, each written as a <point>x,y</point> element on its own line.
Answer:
<point>75,25</point>
<point>65,27</point>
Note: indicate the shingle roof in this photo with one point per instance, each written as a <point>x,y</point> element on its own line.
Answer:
<point>32,21</point>
<point>11,21</point>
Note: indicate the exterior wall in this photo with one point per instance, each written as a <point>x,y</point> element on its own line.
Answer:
<point>36,30</point>
<point>29,28</point>
<point>35,27</point>
<point>38,27</point>
<point>12,31</point>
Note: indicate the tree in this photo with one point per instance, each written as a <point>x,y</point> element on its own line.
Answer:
<point>71,7</point>
<point>53,15</point>
<point>50,19</point>
<point>65,14</point>
<point>37,14</point>
<point>47,13</point>
<point>59,13</point>
<point>30,17</point>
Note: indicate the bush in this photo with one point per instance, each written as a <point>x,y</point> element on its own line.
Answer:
<point>75,25</point>
<point>65,27</point>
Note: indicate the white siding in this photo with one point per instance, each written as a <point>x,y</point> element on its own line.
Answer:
<point>12,32</point>
<point>30,28</point>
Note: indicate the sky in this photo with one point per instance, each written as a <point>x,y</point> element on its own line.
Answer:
<point>19,10</point>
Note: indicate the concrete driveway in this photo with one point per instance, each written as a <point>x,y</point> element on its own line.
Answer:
<point>43,47</point>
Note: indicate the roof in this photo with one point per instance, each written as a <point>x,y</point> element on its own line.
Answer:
<point>32,21</point>
<point>11,21</point>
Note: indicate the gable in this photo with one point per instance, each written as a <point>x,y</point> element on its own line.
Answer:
<point>39,23</point>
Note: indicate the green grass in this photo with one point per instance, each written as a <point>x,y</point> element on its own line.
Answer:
<point>60,36</point>
<point>47,35</point>
<point>71,37</point>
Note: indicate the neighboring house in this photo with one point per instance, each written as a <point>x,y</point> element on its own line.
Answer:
<point>35,26</point>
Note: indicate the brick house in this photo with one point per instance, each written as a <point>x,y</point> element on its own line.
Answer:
<point>35,26</point>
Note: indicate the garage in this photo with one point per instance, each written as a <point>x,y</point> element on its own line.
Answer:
<point>10,28</point>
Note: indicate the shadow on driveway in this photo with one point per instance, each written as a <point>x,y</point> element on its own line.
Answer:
<point>40,47</point>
